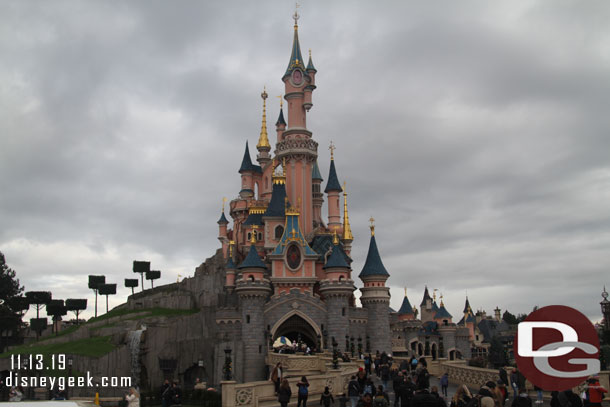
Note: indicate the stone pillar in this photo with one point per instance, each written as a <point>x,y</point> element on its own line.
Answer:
<point>336,294</point>
<point>376,300</point>
<point>253,295</point>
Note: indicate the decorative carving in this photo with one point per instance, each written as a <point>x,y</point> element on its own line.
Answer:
<point>329,384</point>
<point>295,305</point>
<point>243,397</point>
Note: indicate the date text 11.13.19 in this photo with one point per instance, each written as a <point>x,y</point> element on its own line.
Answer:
<point>37,362</point>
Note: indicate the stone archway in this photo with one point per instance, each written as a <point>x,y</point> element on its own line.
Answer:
<point>297,325</point>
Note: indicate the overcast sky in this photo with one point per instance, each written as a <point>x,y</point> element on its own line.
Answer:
<point>476,133</point>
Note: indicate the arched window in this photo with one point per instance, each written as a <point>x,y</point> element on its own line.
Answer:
<point>279,231</point>
<point>251,277</point>
<point>249,236</point>
<point>260,236</point>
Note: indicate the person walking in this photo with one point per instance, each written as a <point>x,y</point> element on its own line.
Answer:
<point>284,393</point>
<point>596,392</point>
<point>444,382</point>
<point>385,375</point>
<point>397,382</point>
<point>303,386</point>
<point>539,395</point>
<point>166,394</point>
<point>503,375</point>
<point>353,391</point>
<point>176,394</point>
<point>514,382</point>
<point>326,399</point>
<point>381,398</point>
<point>407,389</point>
<point>276,377</point>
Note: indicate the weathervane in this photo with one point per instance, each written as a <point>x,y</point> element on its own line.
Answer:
<point>296,14</point>
<point>332,148</point>
<point>224,199</point>
<point>281,97</point>
<point>372,220</point>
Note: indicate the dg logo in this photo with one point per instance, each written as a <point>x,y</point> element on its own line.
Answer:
<point>557,348</point>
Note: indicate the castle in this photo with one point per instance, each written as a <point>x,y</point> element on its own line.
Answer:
<point>288,269</point>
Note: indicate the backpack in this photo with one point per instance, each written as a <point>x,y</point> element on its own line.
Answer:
<point>368,389</point>
<point>303,391</point>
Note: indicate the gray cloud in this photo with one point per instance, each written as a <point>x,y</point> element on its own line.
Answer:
<point>475,134</point>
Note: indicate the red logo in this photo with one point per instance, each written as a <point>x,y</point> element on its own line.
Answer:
<point>557,348</point>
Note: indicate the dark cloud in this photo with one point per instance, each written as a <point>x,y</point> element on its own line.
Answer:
<point>475,134</point>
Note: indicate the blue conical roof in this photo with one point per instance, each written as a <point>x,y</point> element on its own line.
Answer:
<point>252,260</point>
<point>336,258</point>
<point>310,66</point>
<point>434,306</point>
<point>277,205</point>
<point>373,266</point>
<point>280,119</point>
<point>223,219</point>
<point>254,219</point>
<point>466,306</point>
<point>296,59</point>
<point>333,183</point>
<point>315,172</point>
<point>230,264</point>
<point>405,308</point>
<point>246,162</point>
<point>442,313</point>
<point>426,297</point>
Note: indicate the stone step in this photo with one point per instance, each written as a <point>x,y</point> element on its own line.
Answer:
<point>314,397</point>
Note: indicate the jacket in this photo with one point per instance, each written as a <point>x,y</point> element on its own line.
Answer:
<point>353,388</point>
<point>284,394</point>
<point>596,393</point>
<point>132,400</point>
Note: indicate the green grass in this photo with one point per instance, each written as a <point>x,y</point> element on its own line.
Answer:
<point>92,347</point>
<point>150,312</point>
<point>63,332</point>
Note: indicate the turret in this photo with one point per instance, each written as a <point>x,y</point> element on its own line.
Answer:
<point>263,145</point>
<point>318,197</point>
<point>442,316</point>
<point>498,314</point>
<point>333,189</point>
<point>376,297</point>
<point>222,229</point>
<point>231,269</point>
<point>406,311</point>
<point>280,125</point>
<point>275,214</point>
<point>253,289</point>
<point>247,175</point>
<point>337,290</point>
<point>311,72</point>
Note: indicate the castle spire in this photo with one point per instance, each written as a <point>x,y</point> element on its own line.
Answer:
<point>296,59</point>
<point>347,230</point>
<point>373,266</point>
<point>310,66</point>
<point>263,141</point>
<point>333,183</point>
<point>246,162</point>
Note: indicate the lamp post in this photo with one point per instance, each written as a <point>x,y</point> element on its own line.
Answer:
<point>368,344</point>
<point>351,346</point>
<point>346,343</point>
<point>319,344</point>
<point>359,346</point>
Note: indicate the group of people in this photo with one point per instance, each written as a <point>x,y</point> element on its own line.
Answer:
<point>410,383</point>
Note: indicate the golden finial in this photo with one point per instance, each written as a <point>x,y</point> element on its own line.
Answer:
<point>372,226</point>
<point>281,97</point>
<point>332,150</point>
<point>442,305</point>
<point>231,244</point>
<point>405,291</point>
<point>283,166</point>
<point>335,237</point>
<point>347,230</point>
<point>178,278</point>
<point>263,140</point>
<point>253,236</point>
<point>224,199</point>
<point>309,52</point>
<point>434,294</point>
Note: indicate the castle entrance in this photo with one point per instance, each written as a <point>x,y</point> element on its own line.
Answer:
<point>296,328</point>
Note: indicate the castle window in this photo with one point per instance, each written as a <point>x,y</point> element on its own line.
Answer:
<point>247,319</point>
<point>249,236</point>
<point>343,311</point>
<point>341,278</point>
<point>251,277</point>
<point>260,348</point>
<point>260,236</point>
<point>279,231</point>
<point>445,322</point>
